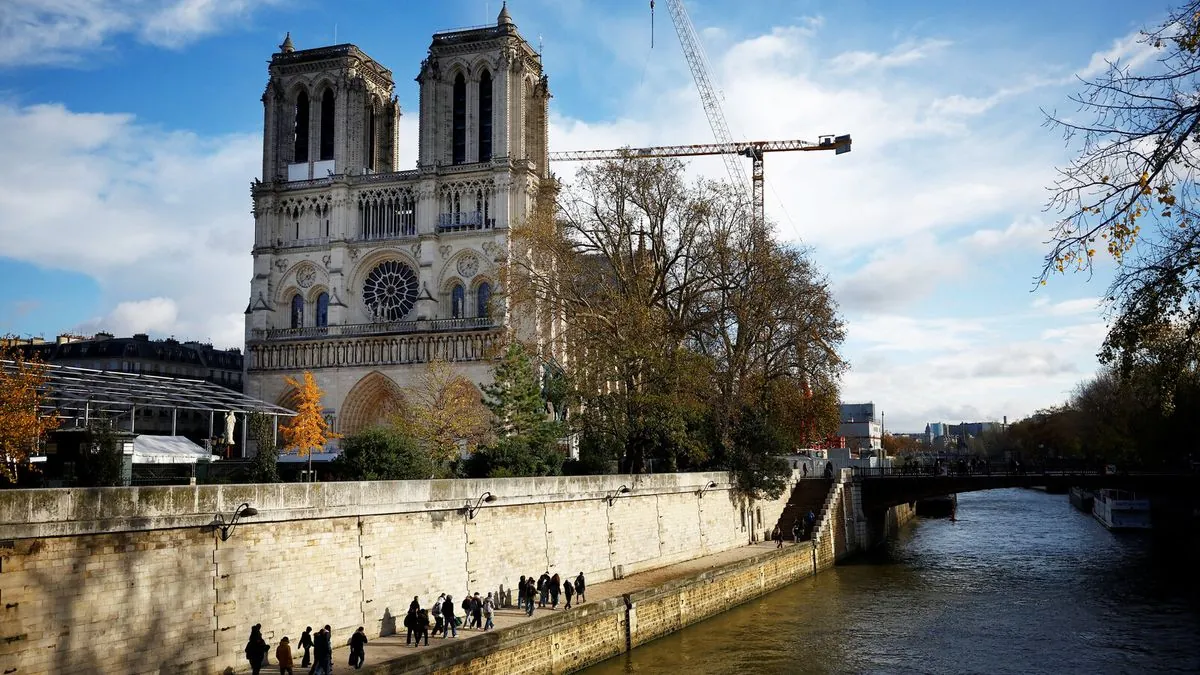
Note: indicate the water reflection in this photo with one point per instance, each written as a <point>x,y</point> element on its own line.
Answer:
<point>1020,583</point>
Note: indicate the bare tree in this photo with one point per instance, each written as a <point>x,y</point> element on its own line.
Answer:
<point>1131,192</point>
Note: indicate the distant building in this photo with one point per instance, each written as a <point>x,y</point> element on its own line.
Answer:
<point>860,427</point>
<point>942,436</point>
<point>140,354</point>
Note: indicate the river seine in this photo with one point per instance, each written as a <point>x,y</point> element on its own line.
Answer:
<point>1020,583</point>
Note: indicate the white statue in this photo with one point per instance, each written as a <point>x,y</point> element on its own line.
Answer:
<point>230,421</point>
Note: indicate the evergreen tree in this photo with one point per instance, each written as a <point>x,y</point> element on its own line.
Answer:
<point>264,468</point>
<point>526,436</point>
<point>382,453</point>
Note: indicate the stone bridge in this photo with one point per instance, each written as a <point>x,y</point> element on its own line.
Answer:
<point>883,488</point>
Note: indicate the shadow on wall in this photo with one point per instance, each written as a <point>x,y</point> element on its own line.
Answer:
<point>85,629</point>
<point>388,625</point>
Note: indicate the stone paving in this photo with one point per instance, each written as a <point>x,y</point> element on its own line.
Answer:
<point>384,649</point>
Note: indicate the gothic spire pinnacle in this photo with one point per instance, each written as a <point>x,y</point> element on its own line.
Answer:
<point>286,46</point>
<point>505,19</point>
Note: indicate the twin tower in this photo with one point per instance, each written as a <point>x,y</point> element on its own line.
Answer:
<point>364,272</point>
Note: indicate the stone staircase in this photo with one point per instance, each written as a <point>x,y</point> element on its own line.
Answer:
<point>809,494</point>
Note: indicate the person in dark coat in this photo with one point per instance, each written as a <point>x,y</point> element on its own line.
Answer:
<point>422,627</point>
<point>323,652</point>
<point>568,590</point>
<point>530,592</point>
<point>448,617</point>
<point>477,611</point>
<point>543,589</point>
<point>358,648</point>
<point>256,649</point>
<point>437,612</point>
<point>306,644</point>
<point>410,624</point>
<point>777,535</point>
<point>580,588</point>
<point>521,592</point>
<point>555,590</point>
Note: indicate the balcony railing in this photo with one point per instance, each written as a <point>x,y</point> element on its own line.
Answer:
<point>464,221</point>
<point>382,328</point>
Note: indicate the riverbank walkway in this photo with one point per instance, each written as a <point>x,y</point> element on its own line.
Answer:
<point>388,648</point>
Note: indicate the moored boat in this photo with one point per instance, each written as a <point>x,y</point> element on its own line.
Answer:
<point>1121,510</point>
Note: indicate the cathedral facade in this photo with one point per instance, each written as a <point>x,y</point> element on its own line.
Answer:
<point>363,272</point>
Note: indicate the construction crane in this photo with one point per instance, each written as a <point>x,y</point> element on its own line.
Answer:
<point>693,51</point>
<point>752,149</point>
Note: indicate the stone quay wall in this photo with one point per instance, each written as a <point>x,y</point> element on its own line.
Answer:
<point>135,580</point>
<point>574,639</point>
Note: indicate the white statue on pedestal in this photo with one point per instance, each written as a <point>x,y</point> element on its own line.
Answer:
<point>230,422</point>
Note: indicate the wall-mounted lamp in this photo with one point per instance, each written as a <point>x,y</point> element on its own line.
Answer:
<point>485,497</point>
<point>711,485</point>
<point>226,527</point>
<point>620,491</point>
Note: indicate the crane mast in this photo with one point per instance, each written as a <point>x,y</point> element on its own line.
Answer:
<point>709,98</point>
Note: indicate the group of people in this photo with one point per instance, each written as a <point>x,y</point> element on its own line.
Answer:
<point>442,617</point>
<point>547,589</point>
<point>801,529</point>
<point>318,651</point>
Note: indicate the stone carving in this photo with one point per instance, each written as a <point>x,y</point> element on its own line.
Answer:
<point>490,248</point>
<point>281,264</point>
<point>326,259</point>
<point>416,250</point>
<point>354,254</point>
<point>468,266</point>
<point>306,275</point>
<point>445,251</point>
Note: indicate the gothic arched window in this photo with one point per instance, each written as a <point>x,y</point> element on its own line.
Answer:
<point>300,142</point>
<point>297,311</point>
<point>327,107</point>
<point>459,119</point>
<point>371,135</point>
<point>483,300</point>
<point>485,117</point>
<point>323,309</point>
<point>457,301</point>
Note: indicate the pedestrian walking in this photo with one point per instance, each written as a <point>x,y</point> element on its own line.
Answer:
<point>256,649</point>
<point>358,648</point>
<point>804,468</point>
<point>451,622</point>
<point>521,592</point>
<point>489,606</point>
<point>530,590</point>
<point>796,529</point>
<point>777,535</point>
<point>306,644</point>
<point>323,652</point>
<point>437,613</point>
<point>422,627</point>
<point>543,588</point>
<point>580,587</point>
<point>283,656</point>
<point>568,590</point>
<point>555,590</point>
<point>477,611</point>
<point>467,606</point>
<point>410,625</point>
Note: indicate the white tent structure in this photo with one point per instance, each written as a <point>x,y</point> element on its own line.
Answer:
<point>169,450</point>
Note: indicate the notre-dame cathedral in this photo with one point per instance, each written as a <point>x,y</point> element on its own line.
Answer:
<point>363,271</point>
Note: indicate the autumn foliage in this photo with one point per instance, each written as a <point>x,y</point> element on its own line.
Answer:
<point>22,424</point>
<point>307,431</point>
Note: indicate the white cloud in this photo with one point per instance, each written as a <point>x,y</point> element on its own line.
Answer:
<point>146,212</point>
<point>154,315</point>
<point>36,32</point>
<point>904,54</point>
<point>1131,51</point>
<point>1076,306</point>
<point>896,278</point>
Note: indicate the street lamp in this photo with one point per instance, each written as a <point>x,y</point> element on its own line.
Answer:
<point>711,484</point>
<point>620,491</point>
<point>485,497</point>
<point>226,527</point>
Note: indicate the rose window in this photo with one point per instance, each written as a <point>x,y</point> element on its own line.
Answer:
<point>390,291</point>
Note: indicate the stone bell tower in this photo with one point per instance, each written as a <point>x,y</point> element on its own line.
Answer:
<point>327,111</point>
<point>364,271</point>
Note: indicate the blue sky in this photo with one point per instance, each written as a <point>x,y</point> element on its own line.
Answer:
<point>131,132</point>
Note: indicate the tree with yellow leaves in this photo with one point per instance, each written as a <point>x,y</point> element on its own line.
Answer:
<point>308,431</point>
<point>1130,194</point>
<point>22,422</point>
<point>445,414</point>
